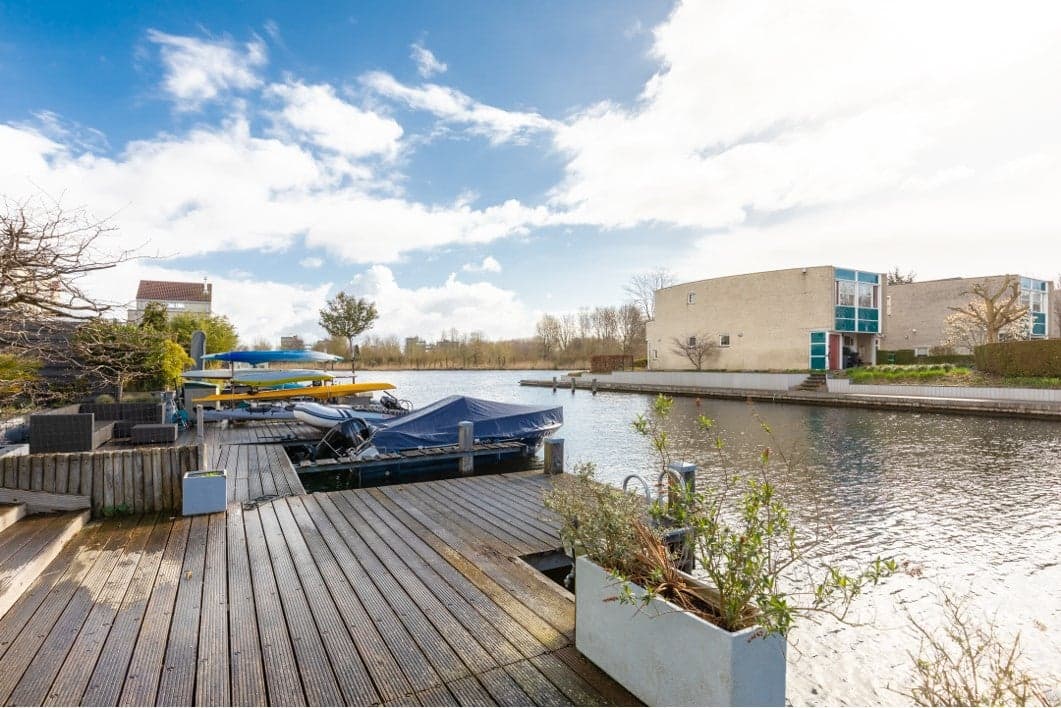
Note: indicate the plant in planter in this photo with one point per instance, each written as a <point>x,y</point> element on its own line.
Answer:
<point>670,638</point>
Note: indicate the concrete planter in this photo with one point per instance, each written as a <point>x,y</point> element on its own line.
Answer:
<point>668,657</point>
<point>204,492</point>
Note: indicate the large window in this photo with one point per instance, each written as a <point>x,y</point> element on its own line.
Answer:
<point>1033,300</point>
<point>867,295</point>
<point>845,292</point>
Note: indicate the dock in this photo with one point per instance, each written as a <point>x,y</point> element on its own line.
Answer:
<point>409,594</point>
<point>895,402</point>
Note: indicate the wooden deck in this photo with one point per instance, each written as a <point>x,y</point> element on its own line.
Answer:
<point>407,594</point>
<point>256,468</point>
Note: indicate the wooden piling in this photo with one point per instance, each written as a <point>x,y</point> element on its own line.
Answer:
<point>466,441</point>
<point>554,456</point>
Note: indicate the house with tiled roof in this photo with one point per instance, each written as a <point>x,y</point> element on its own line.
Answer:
<point>178,297</point>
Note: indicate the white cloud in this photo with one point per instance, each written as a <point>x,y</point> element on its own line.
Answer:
<point>311,262</point>
<point>198,70</point>
<point>452,106</point>
<point>782,123</point>
<point>428,311</point>
<point>427,65</point>
<point>489,265</point>
<point>225,189</point>
<point>316,114</point>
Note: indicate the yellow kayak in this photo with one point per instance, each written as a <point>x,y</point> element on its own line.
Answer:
<point>304,392</point>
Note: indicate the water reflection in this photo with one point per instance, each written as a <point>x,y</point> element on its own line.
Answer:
<point>974,503</point>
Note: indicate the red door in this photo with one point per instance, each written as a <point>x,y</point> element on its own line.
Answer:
<point>836,346</point>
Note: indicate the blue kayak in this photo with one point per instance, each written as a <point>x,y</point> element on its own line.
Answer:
<point>269,356</point>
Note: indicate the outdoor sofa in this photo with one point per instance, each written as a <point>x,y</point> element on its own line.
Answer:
<point>84,427</point>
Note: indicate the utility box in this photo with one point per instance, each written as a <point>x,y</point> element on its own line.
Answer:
<point>205,491</point>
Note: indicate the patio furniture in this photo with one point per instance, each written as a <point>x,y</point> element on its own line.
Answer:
<point>154,433</point>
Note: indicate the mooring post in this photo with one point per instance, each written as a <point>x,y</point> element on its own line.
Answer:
<point>466,443</point>
<point>572,385</point>
<point>594,387</point>
<point>200,432</point>
<point>554,384</point>
<point>554,456</point>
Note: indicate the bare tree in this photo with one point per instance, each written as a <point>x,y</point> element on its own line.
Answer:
<point>897,277</point>
<point>994,309</point>
<point>642,289</point>
<point>631,328</point>
<point>548,331</point>
<point>45,252</point>
<point>605,323</point>
<point>568,329</point>
<point>694,348</point>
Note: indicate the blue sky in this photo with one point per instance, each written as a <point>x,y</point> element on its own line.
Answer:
<point>475,164</point>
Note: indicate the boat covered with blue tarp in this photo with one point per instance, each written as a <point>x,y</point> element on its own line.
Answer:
<point>435,425</point>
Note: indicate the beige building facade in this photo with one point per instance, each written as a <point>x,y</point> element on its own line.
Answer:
<point>816,318</point>
<point>915,314</point>
<point>178,297</point>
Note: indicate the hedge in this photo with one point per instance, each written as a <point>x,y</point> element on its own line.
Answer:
<point>1036,357</point>
<point>906,356</point>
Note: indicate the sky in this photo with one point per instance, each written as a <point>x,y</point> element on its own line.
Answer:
<point>473,165</point>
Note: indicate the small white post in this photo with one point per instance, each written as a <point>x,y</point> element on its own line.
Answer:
<point>466,443</point>
<point>554,456</point>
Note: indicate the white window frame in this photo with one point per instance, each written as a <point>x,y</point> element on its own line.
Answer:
<point>723,340</point>
<point>842,285</point>
<point>691,342</point>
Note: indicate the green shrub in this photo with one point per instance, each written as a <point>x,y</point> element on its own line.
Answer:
<point>1036,357</point>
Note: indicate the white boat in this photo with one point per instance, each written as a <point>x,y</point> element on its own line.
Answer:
<point>323,416</point>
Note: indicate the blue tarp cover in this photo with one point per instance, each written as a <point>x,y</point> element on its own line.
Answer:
<point>436,424</point>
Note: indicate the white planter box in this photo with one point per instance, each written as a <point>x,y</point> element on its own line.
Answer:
<point>668,657</point>
<point>204,492</point>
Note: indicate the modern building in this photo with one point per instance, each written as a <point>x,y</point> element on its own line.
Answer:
<point>819,317</point>
<point>176,296</point>
<point>915,313</point>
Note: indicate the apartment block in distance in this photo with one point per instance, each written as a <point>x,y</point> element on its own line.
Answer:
<point>817,318</point>
<point>178,297</point>
<point>916,313</point>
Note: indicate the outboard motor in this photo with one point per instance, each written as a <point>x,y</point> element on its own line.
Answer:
<point>345,438</point>
<point>391,403</point>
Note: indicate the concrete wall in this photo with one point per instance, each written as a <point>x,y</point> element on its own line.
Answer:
<point>768,317</point>
<point>704,379</point>
<point>925,306</point>
<point>1040,395</point>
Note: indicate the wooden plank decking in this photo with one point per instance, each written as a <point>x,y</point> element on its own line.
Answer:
<point>408,594</point>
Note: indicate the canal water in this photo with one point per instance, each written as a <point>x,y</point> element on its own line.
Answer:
<point>971,505</point>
